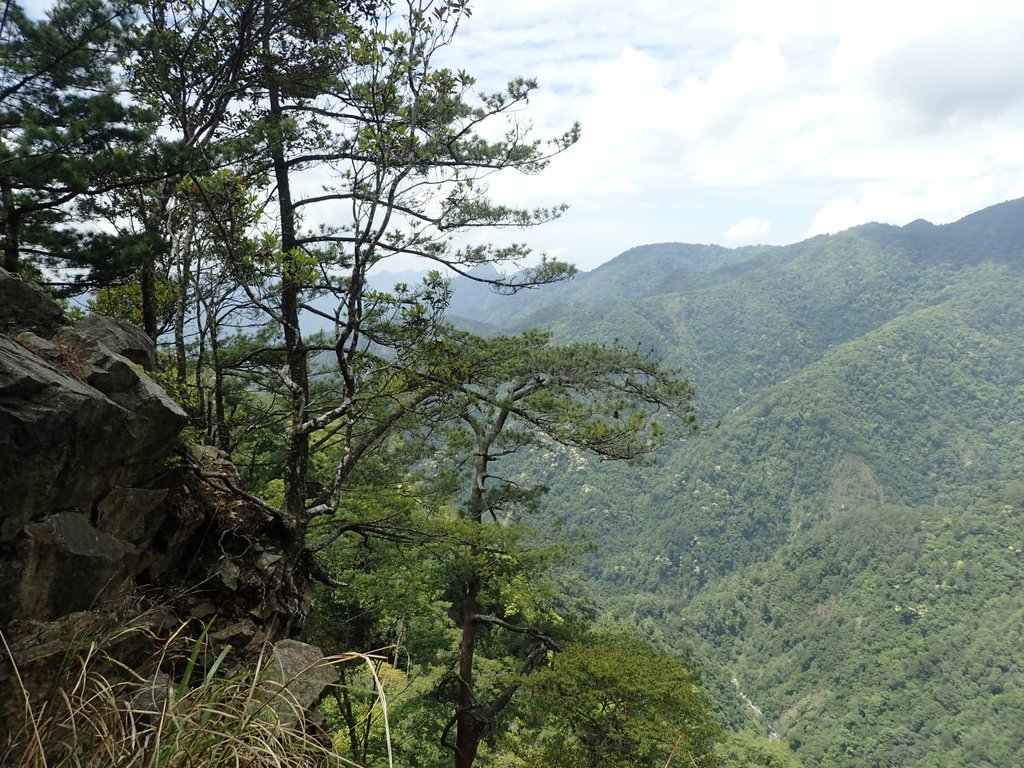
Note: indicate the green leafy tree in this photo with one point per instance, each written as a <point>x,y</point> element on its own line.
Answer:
<point>66,132</point>
<point>612,700</point>
<point>400,139</point>
<point>487,616</point>
<point>747,750</point>
<point>193,65</point>
<point>510,393</point>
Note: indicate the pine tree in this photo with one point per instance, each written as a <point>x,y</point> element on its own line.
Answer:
<point>66,131</point>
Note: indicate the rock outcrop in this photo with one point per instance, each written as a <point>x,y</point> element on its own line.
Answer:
<point>104,519</point>
<point>83,430</point>
<point>25,307</point>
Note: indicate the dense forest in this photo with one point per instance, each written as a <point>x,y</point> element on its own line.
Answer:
<point>700,506</point>
<point>841,545</point>
<point>225,176</point>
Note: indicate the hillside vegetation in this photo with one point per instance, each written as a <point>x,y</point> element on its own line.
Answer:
<point>832,564</point>
<point>845,545</point>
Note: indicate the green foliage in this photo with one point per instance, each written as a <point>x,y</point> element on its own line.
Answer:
<point>882,636</point>
<point>67,133</point>
<point>612,700</point>
<point>167,138</point>
<point>478,579</point>
<point>842,554</point>
<point>605,399</point>
<point>125,301</point>
<point>845,531</point>
<point>746,750</point>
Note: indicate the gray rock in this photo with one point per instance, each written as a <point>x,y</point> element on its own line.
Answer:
<point>92,441</point>
<point>153,695</point>
<point>62,443</point>
<point>132,514</point>
<point>24,306</point>
<point>122,337</point>
<point>83,430</point>
<point>67,566</point>
<point>88,505</point>
<point>303,673</point>
<point>122,381</point>
<point>97,364</point>
<point>40,347</point>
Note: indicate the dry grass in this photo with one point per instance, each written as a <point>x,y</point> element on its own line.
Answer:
<point>105,715</point>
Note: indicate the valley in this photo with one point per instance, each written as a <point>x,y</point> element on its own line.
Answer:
<point>843,540</point>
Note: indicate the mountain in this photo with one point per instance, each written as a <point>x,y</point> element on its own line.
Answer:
<point>738,321</point>
<point>885,636</point>
<point>632,274</point>
<point>845,549</point>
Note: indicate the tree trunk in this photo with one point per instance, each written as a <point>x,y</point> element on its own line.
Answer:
<point>344,701</point>
<point>200,365</point>
<point>12,230</point>
<point>181,254</point>
<point>467,730</point>
<point>147,279</point>
<point>296,459</point>
<point>297,447</point>
<point>154,220</point>
<point>221,436</point>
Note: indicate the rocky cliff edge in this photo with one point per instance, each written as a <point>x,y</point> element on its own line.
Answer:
<point>105,521</point>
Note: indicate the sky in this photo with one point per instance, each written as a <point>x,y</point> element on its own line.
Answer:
<point>746,121</point>
<point>755,122</point>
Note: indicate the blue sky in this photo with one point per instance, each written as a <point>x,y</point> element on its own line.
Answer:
<point>748,121</point>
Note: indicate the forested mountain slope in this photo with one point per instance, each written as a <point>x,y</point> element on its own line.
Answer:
<point>738,321</point>
<point>887,636</point>
<point>847,542</point>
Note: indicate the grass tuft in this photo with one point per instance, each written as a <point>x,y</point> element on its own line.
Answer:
<point>107,715</point>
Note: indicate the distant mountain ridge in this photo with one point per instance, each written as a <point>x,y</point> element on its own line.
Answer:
<point>819,292</point>
<point>983,234</point>
<point>870,387</point>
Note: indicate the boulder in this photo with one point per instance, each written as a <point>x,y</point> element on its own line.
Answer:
<point>132,514</point>
<point>62,442</point>
<point>91,509</point>
<point>302,671</point>
<point>84,432</point>
<point>67,565</point>
<point>121,336</point>
<point>26,307</point>
<point>101,423</point>
<point>40,347</point>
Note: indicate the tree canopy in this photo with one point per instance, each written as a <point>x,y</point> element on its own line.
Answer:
<point>227,174</point>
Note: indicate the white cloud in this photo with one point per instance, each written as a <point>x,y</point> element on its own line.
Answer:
<point>818,114</point>
<point>940,204</point>
<point>747,231</point>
